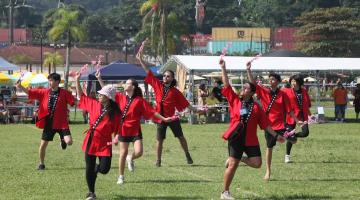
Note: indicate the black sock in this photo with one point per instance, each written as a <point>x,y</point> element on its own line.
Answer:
<point>288,147</point>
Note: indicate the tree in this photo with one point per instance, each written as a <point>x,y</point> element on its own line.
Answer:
<point>67,26</point>
<point>329,32</point>
<point>160,9</point>
<point>52,60</point>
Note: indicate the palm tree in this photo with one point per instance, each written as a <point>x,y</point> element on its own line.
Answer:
<point>67,26</point>
<point>52,60</point>
<point>156,8</point>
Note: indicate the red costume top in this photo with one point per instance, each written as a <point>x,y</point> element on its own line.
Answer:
<point>257,117</point>
<point>279,108</point>
<point>301,113</point>
<point>103,131</point>
<point>137,109</point>
<point>174,98</point>
<point>60,120</point>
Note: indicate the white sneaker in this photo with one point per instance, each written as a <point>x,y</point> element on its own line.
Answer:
<point>130,163</point>
<point>120,180</point>
<point>226,195</point>
<point>288,159</point>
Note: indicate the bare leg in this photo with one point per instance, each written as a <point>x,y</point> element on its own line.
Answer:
<point>159,147</point>
<point>42,150</point>
<point>268,163</point>
<point>124,146</point>
<point>254,162</point>
<point>138,149</point>
<point>183,143</point>
<point>230,172</point>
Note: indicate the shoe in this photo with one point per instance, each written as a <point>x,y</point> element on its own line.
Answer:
<point>63,143</point>
<point>120,180</point>
<point>158,163</point>
<point>189,159</point>
<point>226,195</point>
<point>41,167</point>
<point>130,163</point>
<point>90,196</point>
<point>288,159</point>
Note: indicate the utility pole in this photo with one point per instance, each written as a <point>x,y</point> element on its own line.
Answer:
<point>12,5</point>
<point>11,21</point>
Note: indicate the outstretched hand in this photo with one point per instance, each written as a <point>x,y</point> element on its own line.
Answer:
<point>222,63</point>
<point>77,76</point>
<point>248,66</point>
<point>98,74</point>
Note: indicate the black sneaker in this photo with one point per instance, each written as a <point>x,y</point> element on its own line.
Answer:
<point>90,196</point>
<point>189,159</point>
<point>158,163</point>
<point>41,167</point>
<point>63,144</point>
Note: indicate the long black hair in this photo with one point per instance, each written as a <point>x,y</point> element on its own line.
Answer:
<point>137,89</point>
<point>298,78</point>
<point>113,109</point>
<point>174,81</point>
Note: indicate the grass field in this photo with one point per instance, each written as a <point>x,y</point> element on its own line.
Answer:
<point>326,166</point>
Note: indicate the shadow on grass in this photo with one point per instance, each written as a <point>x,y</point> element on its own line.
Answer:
<point>295,197</point>
<point>159,198</point>
<point>194,165</point>
<point>314,179</point>
<point>329,162</point>
<point>170,181</point>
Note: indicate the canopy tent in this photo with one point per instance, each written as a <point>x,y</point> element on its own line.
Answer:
<point>238,63</point>
<point>184,65</point>
<point>5,65</point>
<point>118,71</point>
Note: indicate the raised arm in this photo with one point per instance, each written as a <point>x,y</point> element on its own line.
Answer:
<point>249,74</point>
<point>20,87</point>
<point>225,78</point>
<point>78,86</point>
<point>139,56</point>
<point>98,76</point>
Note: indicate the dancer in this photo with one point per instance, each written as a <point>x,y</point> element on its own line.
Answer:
<point>168,99</point>
<point>104,121</point>
<point>276,104</point>
<point>133,107</point>
<point>245,115</point>
<point>300,105</point>
<point>52,114</point>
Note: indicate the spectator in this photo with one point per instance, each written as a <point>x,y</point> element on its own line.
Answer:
<point>14,109</point>
<point>216,91</point>
<point>340,101</point>
<point>202,94</point>
<point>357,100</point>
<point>3,111</point>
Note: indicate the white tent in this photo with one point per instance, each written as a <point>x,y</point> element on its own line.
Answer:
<point>191,64</point>
<point>237,63</point>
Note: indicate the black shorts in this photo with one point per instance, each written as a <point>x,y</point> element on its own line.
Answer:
<point>271,140</point>
<point>174,126</point>
<point>49,135</point>
<point>129,139</point>
<point>236,150</point>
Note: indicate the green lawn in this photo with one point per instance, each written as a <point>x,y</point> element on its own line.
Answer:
<point>326,166</point>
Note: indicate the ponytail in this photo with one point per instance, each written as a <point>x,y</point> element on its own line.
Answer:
<point>137,89</point>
